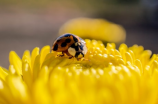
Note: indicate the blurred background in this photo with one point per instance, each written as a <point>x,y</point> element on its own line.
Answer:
<point>25,24</point>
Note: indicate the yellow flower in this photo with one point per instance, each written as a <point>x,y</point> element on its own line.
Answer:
<point>109,76</point>
<point>99,29</point>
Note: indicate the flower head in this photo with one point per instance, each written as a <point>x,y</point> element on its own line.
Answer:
<point>99,29</point>
<point>109,76</point>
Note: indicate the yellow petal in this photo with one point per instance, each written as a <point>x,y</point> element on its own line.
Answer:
<point>27,75</point>
<point>27,57</point>
<point>3,73</point>
<point>16,62</point>
<point>18,89</point>
<point>44,73</point>
<point>34,53</point>
<point>41,93</point>
<point>36,67</point>
<point>12,70</point>
<point>44,51</point>
<point>5,93</point>
<point>129,57</point>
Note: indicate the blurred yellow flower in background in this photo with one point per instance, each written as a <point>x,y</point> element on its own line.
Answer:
<point>98,29</point>
<point>111,76</point>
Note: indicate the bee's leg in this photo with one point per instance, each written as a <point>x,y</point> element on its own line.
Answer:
<point>78,59</point>
<point>70,57</point>
<point>86,59</point>
<point>61,55</point>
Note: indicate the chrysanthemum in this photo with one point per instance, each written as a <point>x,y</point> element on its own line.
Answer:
<point>97,28</point>
<point>109,76</point>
